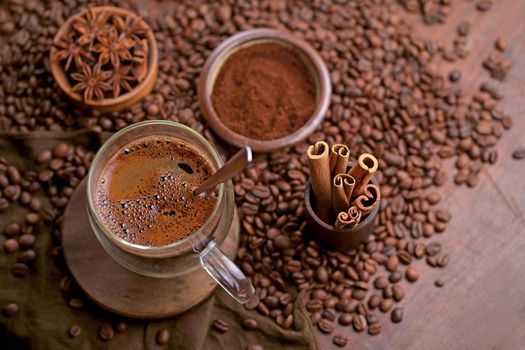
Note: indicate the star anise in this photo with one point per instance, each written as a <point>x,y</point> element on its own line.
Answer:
<point>91,81</point>
<point>120,79</point>
<point>69,50</point>
<point>130,27</point>
<point>113,48</point>
<point>91,26</point>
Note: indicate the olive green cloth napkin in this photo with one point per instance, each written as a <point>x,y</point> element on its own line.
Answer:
<point>45,318</point>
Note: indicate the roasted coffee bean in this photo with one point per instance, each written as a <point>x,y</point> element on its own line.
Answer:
<point>105,331</point>
<point>249,324</point>
<point>325,326</point>
<point>433,248</point>
<point>340,340</point>
<point>76,303</point>
<point>282,242</point>
<point>442,260</point>
<point>398,292</point>
<point>163,336</point>
<point>11,245</point>
<point>386,305</point>
<point>20,270</point>
<point>13,175</point>
<point>220,325</point>
<point>322,274</point>
<point>11,310</point>
<point>484,5</point>
<point>397,315</point>
<point>74,331</point>
<point>32,218</point>
<point>120,327</point>
<point>392,263</point>
<point>254,347</point>
<point>374,301</point>
<point>27,257</point>
<point>359,323</point>
<point>328,314</point>
<point>374,329</point>
<point>345,319</point>
<point>26,240</point>
<point>439,283</point>
<point>463,29</point>
<point>519,154</point>
<point>44,157</point>
<point>371,319</point>
<point>381,282</point>
<point>412,274</point>
<point>395,276</point>
<point>12,230</point>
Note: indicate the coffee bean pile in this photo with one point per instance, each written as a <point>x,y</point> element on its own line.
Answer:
<point>389,99</point>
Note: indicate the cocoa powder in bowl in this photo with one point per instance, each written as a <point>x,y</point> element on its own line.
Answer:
<point>264,91</point>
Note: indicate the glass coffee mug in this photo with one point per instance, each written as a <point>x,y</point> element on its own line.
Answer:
<point>200,249</point>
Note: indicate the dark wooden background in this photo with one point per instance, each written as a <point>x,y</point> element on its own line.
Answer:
<point>482,305</point>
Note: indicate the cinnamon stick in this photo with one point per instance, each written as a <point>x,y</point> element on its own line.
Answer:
<point>348,218</point>
<point>362,171</point>
<point>319,162</point>
<point>342,188</point>
<point>338,159</point>
<point>368,200</point>
<point>340,201</point>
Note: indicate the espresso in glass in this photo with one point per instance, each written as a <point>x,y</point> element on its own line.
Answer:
<point>144,194</point>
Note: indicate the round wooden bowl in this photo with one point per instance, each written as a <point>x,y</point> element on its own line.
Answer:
<point>107,104</point>
<point>338,239</point>
<point>306,53</point>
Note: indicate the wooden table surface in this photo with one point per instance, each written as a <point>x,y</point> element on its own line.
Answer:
<point>482,305</point>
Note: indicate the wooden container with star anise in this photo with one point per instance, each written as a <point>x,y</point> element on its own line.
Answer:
<point>105,58</point>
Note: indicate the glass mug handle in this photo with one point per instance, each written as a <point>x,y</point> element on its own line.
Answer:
<point>226,273</point>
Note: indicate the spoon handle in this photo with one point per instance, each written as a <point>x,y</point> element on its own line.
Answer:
<point>231,168</point>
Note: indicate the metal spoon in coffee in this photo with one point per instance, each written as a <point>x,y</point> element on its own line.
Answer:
<point>234,166</point>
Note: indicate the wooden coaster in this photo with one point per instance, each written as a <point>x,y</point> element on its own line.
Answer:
<point>120,290</point>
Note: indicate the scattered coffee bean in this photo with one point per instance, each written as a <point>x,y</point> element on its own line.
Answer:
<point>74,331</point>
<point>484,5</point>
<point>105,331</point>
<point>439,283</point>
<point>340,340</point>
<point>120,327</point>
<point>220,325</point>
<point>249,324</point>
<point>27,240</point>
<point>397,315</point>
<point>398,292</point>
<point>20,270</point>
<point>76,303</point>
<point>454,75</point>
<point>374,329</point>
<point>326,326</point>
<point>163,336</point>
<point>412,274</point>
<point>254,347</point>
<point>345,319</point>
<point>519,154</point>
<point>386,305</point>
<point>11,245</point>
<point>27,257</point>
<point>359,323</point>
<point>11,310</point>
<point>463,29</point>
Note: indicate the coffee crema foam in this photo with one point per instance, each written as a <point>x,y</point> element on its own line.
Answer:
<point>145,192</point>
